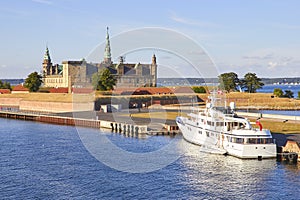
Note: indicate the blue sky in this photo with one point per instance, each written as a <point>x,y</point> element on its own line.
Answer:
<point>260,36</point>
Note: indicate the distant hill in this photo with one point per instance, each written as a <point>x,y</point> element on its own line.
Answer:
<point>188,81</point>
<point>13,81</point>
<point>210,81</point>
<point>280,80</point>
<point>185,81</point>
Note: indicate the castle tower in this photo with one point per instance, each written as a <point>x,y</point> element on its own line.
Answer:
<point>107,53</point>
<point>154,71</point>
<point>47,65</point>
<point>153,59</point>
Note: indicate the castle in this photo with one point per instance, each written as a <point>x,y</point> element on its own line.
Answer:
<point>79,73</point>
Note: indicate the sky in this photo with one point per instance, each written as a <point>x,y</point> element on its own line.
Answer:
<point>241,36</point>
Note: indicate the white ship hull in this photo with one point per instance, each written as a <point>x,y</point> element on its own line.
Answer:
<point>246,144</point>
<point>252,151</point>
<point>208,144</point>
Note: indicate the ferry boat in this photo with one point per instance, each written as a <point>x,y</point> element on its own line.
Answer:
<point>218,129</point>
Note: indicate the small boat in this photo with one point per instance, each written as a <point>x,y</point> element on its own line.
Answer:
<point>218,129</point>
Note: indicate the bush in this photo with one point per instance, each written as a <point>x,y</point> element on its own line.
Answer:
<point>288,94</point>
<point>278,92</point>
<point>199,89</point>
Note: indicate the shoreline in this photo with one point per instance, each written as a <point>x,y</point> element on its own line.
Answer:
<point>267,108</point>
<point>129,129</point>
<point>83,119</point>
<point>59,104</point>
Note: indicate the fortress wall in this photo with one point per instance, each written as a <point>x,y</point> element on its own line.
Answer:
<point>15,102</point>
<point>55,107</point>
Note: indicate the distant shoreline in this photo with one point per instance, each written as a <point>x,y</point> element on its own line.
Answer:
<point>50,101</point>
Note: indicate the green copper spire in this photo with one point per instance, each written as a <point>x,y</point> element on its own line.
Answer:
<point>107,54</point>
<point>47,55</point>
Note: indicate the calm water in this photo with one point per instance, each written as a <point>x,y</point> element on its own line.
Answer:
<point>270,89</point>
<point>276,112</point>
<point>42,161</point>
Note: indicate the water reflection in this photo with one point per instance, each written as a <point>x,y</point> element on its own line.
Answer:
<point>49,162</point>
<point>126,135</point>
<point>232,177</point>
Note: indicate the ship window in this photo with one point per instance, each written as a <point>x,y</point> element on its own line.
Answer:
<point>252,141</point>
<point>259,141</point>
<point>207,134</point>
<point>200,132</point>
<point>269,141</point>
<point>239,140</point>
<point>220,123</point>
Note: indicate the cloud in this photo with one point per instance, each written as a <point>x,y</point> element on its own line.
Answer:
<point>266,62</point>
<point>43,2</point>
<point>260,57</point>
<point>197,53</point>
<point>3,66</point>
<point>287,59</point>
<point>173,16</point>
<point>272,65</point>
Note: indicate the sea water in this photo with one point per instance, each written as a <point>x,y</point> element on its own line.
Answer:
<point>270,89</point>
<point>43,161</point>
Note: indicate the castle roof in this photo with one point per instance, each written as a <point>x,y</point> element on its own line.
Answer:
<point>4,91</point>
<point>20,87</point>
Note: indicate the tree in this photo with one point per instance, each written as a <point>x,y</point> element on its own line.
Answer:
<point>199,89</point>
<point>33,82</point>
<point>5,85</point>
<point>278,92</point>
<point>103,80</point>
<point>251,83</point>
<point>229,81</point>
<point>288,94</point>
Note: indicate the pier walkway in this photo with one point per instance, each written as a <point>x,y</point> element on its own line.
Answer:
<point>116,122</point>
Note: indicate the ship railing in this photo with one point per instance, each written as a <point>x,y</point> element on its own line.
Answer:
<point>251,141</point>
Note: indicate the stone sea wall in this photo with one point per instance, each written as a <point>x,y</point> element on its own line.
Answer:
<point>55,107</point>
<point>43,106</point>
<point>13,102</point>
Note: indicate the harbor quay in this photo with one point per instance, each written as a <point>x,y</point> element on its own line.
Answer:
<point>137,127</point>
<point>100,120</point>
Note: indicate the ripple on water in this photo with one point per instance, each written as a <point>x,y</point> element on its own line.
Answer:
<point>42,161</point>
